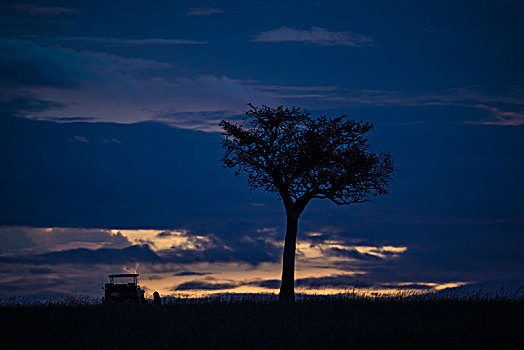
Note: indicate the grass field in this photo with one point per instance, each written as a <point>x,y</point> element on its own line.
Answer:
<point>317,323</point>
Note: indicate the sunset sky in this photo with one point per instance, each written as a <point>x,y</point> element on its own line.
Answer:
<point>110,145</point>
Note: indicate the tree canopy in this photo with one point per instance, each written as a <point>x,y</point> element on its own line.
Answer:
<point>285,150</point>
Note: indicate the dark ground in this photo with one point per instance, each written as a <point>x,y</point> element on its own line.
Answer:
<point>314,324</point>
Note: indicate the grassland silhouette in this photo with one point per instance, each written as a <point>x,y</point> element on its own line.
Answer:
<point>228,322</point>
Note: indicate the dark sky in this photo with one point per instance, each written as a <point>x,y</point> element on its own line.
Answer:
<point>109,142</point>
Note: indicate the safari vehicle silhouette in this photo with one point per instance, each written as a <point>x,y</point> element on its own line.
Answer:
<point>123,292</point>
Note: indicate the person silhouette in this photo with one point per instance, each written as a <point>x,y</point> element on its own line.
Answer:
<point>156,299</point>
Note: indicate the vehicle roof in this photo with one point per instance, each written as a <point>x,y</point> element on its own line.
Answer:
<point>124,275</point>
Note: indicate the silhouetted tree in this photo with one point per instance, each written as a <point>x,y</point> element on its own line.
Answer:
<point>284,150</point>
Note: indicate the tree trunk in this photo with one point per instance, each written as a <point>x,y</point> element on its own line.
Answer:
<point>287,288</point>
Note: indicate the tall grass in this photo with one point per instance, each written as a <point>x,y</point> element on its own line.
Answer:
<point>228,321</point>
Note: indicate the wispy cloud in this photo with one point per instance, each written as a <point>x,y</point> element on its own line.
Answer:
<point>202,11</point>
<point>203,285</point>
<point>80,84</point>
<point>34,9</point>
<point>80,139</point>
<point>502,107</point>
<point>505,108</point>
<point>501,117</point>
<point>108,87</point>
<point>124,41</point>
<point>316,35</point>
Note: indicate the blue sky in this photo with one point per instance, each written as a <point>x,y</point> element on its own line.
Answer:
<point>109,118</point>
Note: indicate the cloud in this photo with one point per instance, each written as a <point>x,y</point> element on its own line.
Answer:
<point>485,107</point>
<point>446,261</point>
<point>63,238</point>
<point>197,120</point>
<point>41,271</point>
<point>31,69</point>
<point>253,253</point>
<point>44,281</point>
<point>415,286</point>
<point>18,106</point>
<point>192,103</point>
<point>203,285</point>
<point>342,282</point>
<point>268,284</point>
<point>80,139</point>
<point>14,240</point>
<point>494,288</point>
<point>164,234</point>
<point>468,96</point>
<point>316,35</point>
<point>106,256</point>
<point>353,254</point>
<point>367,252</point>
<point>191,273</point>
<point>172,240</point>
<point>70,119</point>
<point>69,85</point>
<point>75,41</point>
<point>185,247</point>
<point>117,89</point>
<point>23,63</point>
<point>111,140</point>
<point>202,11</point>
<point>334,281</point>
<point>34,9</point>
<point>206,285</point>
<point>501,117</point>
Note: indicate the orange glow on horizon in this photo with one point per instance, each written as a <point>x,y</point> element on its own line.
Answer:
<point>327,261</point>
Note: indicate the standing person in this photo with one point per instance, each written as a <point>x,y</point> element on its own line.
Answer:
<point>156,299</point>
